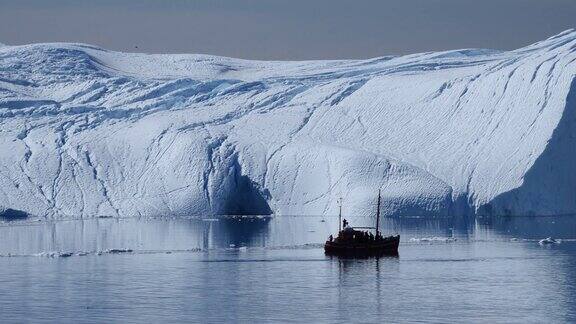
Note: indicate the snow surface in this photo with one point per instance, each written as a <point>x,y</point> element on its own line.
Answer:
<point>88,132</point>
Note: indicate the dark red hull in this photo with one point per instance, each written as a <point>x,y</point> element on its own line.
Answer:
<point>387,246</point>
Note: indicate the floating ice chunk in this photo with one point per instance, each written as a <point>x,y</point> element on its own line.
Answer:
<point>117,251</point>
<point>433,239</point>
<point>549,241</point>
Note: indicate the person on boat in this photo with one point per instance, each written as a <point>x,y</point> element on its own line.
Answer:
<point>330,238</point>
<point>344,223</point>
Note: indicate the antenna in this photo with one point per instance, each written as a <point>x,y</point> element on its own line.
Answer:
<point>378,215</point>
<point>339,214</point>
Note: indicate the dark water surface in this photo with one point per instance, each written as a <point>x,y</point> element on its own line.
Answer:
<point>171,269</point>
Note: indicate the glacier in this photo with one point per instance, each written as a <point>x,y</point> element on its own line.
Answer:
<point>88,132</point>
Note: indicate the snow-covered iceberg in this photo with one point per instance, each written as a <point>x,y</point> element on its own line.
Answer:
<point>86,131</point>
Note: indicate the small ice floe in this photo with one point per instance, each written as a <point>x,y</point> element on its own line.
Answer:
<point>514,239</point>
<point>118,251</point>
<point>82,253</point>
<point>549,241</point>
<point>234,247</point>
<point>433,239</point>
<point>55,254</point>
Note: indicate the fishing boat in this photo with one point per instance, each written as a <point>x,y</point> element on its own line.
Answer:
<point>359,241</point>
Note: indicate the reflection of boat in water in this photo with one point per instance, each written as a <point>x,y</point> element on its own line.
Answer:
<point>355,242</point>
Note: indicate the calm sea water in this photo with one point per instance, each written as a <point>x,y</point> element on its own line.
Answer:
<point>263,270</point>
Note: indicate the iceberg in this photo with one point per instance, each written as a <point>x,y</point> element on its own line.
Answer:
<point>89,132</point>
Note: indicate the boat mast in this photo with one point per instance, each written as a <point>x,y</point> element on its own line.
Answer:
<point>378,214</point>
<point>339,215</point>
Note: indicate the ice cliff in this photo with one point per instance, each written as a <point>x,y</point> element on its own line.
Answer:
<point>86,132</point>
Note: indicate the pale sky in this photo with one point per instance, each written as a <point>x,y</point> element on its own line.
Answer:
<point>286,30</point>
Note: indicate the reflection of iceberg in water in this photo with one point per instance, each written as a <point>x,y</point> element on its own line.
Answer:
<point>419,228</point>
<point>281,232</point>
<point>148,235</point>
<point>235,232</point>
<point>531,227</point>
<point>192,234</point>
